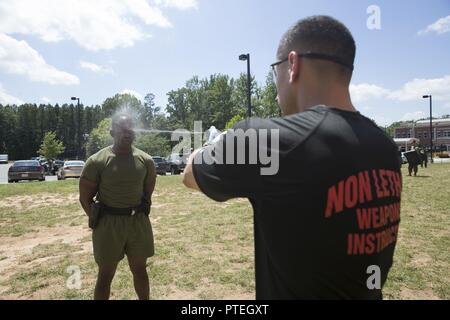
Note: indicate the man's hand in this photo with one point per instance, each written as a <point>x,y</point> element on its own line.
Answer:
<point>188,174</point>
<point>88,190</point>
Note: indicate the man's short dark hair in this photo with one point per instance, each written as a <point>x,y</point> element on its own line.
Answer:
<point>322,35</point>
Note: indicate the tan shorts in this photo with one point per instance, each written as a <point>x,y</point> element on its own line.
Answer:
<point>117,236</point>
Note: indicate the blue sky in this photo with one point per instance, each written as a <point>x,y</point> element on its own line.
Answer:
<point>51,50</point>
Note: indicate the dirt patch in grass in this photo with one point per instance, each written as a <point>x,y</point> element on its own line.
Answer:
<point>37,200</point>
<point>15,250</point>
<point>424,294</point>
<point>421,260</point>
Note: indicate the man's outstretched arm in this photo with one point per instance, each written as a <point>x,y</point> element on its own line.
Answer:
<point>188,174</point>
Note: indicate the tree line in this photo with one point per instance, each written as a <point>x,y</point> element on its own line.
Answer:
<point>215,100</point>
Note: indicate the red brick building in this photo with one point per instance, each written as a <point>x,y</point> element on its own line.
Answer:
<point>421,130</point>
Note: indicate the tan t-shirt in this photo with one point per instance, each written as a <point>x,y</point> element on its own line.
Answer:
<point>120,177</point>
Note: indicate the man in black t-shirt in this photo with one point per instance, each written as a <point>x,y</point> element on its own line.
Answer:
<point>324,181</point>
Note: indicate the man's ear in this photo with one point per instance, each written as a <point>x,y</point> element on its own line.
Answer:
<point>294,66</point>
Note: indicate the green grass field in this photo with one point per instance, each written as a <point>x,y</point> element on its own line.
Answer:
<point>204,250</point>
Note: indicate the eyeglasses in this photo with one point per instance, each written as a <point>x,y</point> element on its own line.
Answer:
<point>312,55</point>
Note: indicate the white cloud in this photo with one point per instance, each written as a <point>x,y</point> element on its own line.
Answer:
<point>95,67</point>
<point>441,26</point>
<point>413,90</point>
<point>17,57</point>
<point>6,98</point>
<point>381,120</point>
<point>178,4</point>
<point>93,25</point>
<point>364,108</point>
<point>133,93</point>
<point>148,14</point>
<point>415,115</point>
<point>364,92</point>
<point>45,100</point>
<point>439,88</point>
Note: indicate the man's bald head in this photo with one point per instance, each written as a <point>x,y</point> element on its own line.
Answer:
<point>122,120</point>
<point>122,130</point>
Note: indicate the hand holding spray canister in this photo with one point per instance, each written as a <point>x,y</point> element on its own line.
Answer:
<point>213,136</point>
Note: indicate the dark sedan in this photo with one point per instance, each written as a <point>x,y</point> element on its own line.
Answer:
<point>26,170</point>
<point>160,165</point>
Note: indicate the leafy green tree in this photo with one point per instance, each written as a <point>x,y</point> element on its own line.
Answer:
<point>209,100</point>
<point>178,109</point>
<point>239,97</point>
<point>268,106</point>
<point>99,137</point>
<point>27,140</point>
<point>149,111</point>
<point>122,102</point>
<point>161,122</point>
<point>155,144</point>
<point>51,147</point>
<point>219,104</point>
<point>233,121</point>
<point>8,131</point>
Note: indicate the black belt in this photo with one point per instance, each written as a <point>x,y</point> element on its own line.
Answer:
<point>120,211</point>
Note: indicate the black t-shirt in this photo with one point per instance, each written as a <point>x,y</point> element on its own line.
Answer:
<point>328,218</point>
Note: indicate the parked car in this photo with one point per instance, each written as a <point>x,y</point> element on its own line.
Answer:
<point>45,163</point>
<point>58,164</point>
<point>26,170</point>
<point>52,166</point>
<point>176,163</point>
<point>42,162</point>
<point>70,169</point>
<point>160,165</point>
<point>3,158</point>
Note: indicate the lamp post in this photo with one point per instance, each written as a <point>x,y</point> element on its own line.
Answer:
<point>79,125</point>
<point>246,57</point>
<point>431,125</point>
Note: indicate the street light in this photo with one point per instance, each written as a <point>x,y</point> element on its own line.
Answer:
<point>79,126</point>
<point>431,125</point>
<point>246,57</point>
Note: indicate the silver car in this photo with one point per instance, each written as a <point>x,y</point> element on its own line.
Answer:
<point>4,158</point>
<point>70,169</point>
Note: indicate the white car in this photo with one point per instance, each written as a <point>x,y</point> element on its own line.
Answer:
<point>4,158</point>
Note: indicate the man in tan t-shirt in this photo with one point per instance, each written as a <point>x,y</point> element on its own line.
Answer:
<point>120,176</point>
